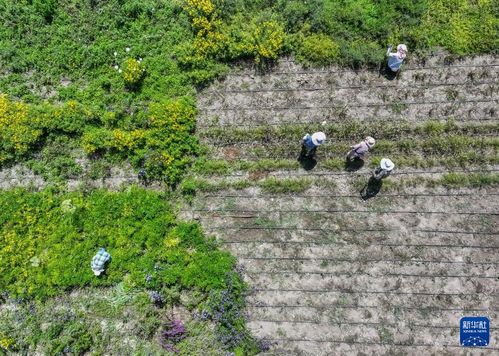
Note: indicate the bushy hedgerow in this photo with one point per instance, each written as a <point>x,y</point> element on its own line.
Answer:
<point>164,144</point>
<point>47,241</point>
<point>365,27</point>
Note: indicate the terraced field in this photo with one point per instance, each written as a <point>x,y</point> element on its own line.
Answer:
<point>332,273</point>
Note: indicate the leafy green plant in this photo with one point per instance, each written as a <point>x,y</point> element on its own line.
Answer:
<point>132,71</point>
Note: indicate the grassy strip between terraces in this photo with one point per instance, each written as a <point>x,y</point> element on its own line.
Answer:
<point>443,145</point>
<point>348,131</point>
<point>48,239</point>
<point>190,186</point>
<point>226,167</point>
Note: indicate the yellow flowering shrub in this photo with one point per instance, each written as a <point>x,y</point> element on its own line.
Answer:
<point>95,139</point>
<point>71,117</point>
<point>18,131</point>
<point>164,146</point>
<point>261,40</point>
<point>177,115</point>
<point>268,39</point>
<point>127,140</point>
<point>6,342</point>
<point>133,70</point>
<point>210,39</point>
<point>196,8</point>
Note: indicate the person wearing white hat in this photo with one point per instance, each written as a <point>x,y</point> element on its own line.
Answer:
<point>311,142</point>
<point>385,168</point>
<point>360,150</point>
<point>396,59</point>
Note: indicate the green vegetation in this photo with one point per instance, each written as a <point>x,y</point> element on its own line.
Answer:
<point>461,159</point>
<point>349,130</point>
<point>448,180</point>
<point>48,239</point>
<point>476,180</point>
<point>444,145</point>
<point>113,83</point>
<point>118,320</point>
<point>299,185</point>
<point>137,228</point>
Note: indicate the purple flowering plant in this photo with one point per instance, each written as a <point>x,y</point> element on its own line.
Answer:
<point>173,332</point>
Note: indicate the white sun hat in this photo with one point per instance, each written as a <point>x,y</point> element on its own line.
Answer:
<point>318,138</point>
<point>97,272</point>
<point>387,164</point>
<point>370,141</point>
<point>402,50</point>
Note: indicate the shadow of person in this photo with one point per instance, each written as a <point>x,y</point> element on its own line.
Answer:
<point>352,165</point>
<point>386,72</point>
<point>371,189</point>
<point>307,162</point>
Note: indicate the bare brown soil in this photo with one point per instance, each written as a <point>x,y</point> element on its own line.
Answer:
<point>332,274</point>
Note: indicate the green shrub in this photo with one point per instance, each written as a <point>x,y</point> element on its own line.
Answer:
<point>56,161</point>
<point>96,139</point>
<point>359,52</point>
<point>18,130</point>
<point>294,12</point>
<point>71,117</point>
<point>318,49</point>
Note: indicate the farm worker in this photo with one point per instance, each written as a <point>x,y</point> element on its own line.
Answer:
<point>142,175</point>
<point>385,168</point>
<point>99,261</point>
<point>396,59</point>
<point>360,150</point>
<point>311,142</point>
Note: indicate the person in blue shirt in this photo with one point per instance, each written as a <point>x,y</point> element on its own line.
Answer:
<point>311,142</point>
<point>396,59</point>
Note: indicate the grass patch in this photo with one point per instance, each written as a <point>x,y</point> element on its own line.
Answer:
<point>288,185</point>
<point>350,130</point>
<point>448,180</point>
<point>475,180</point>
